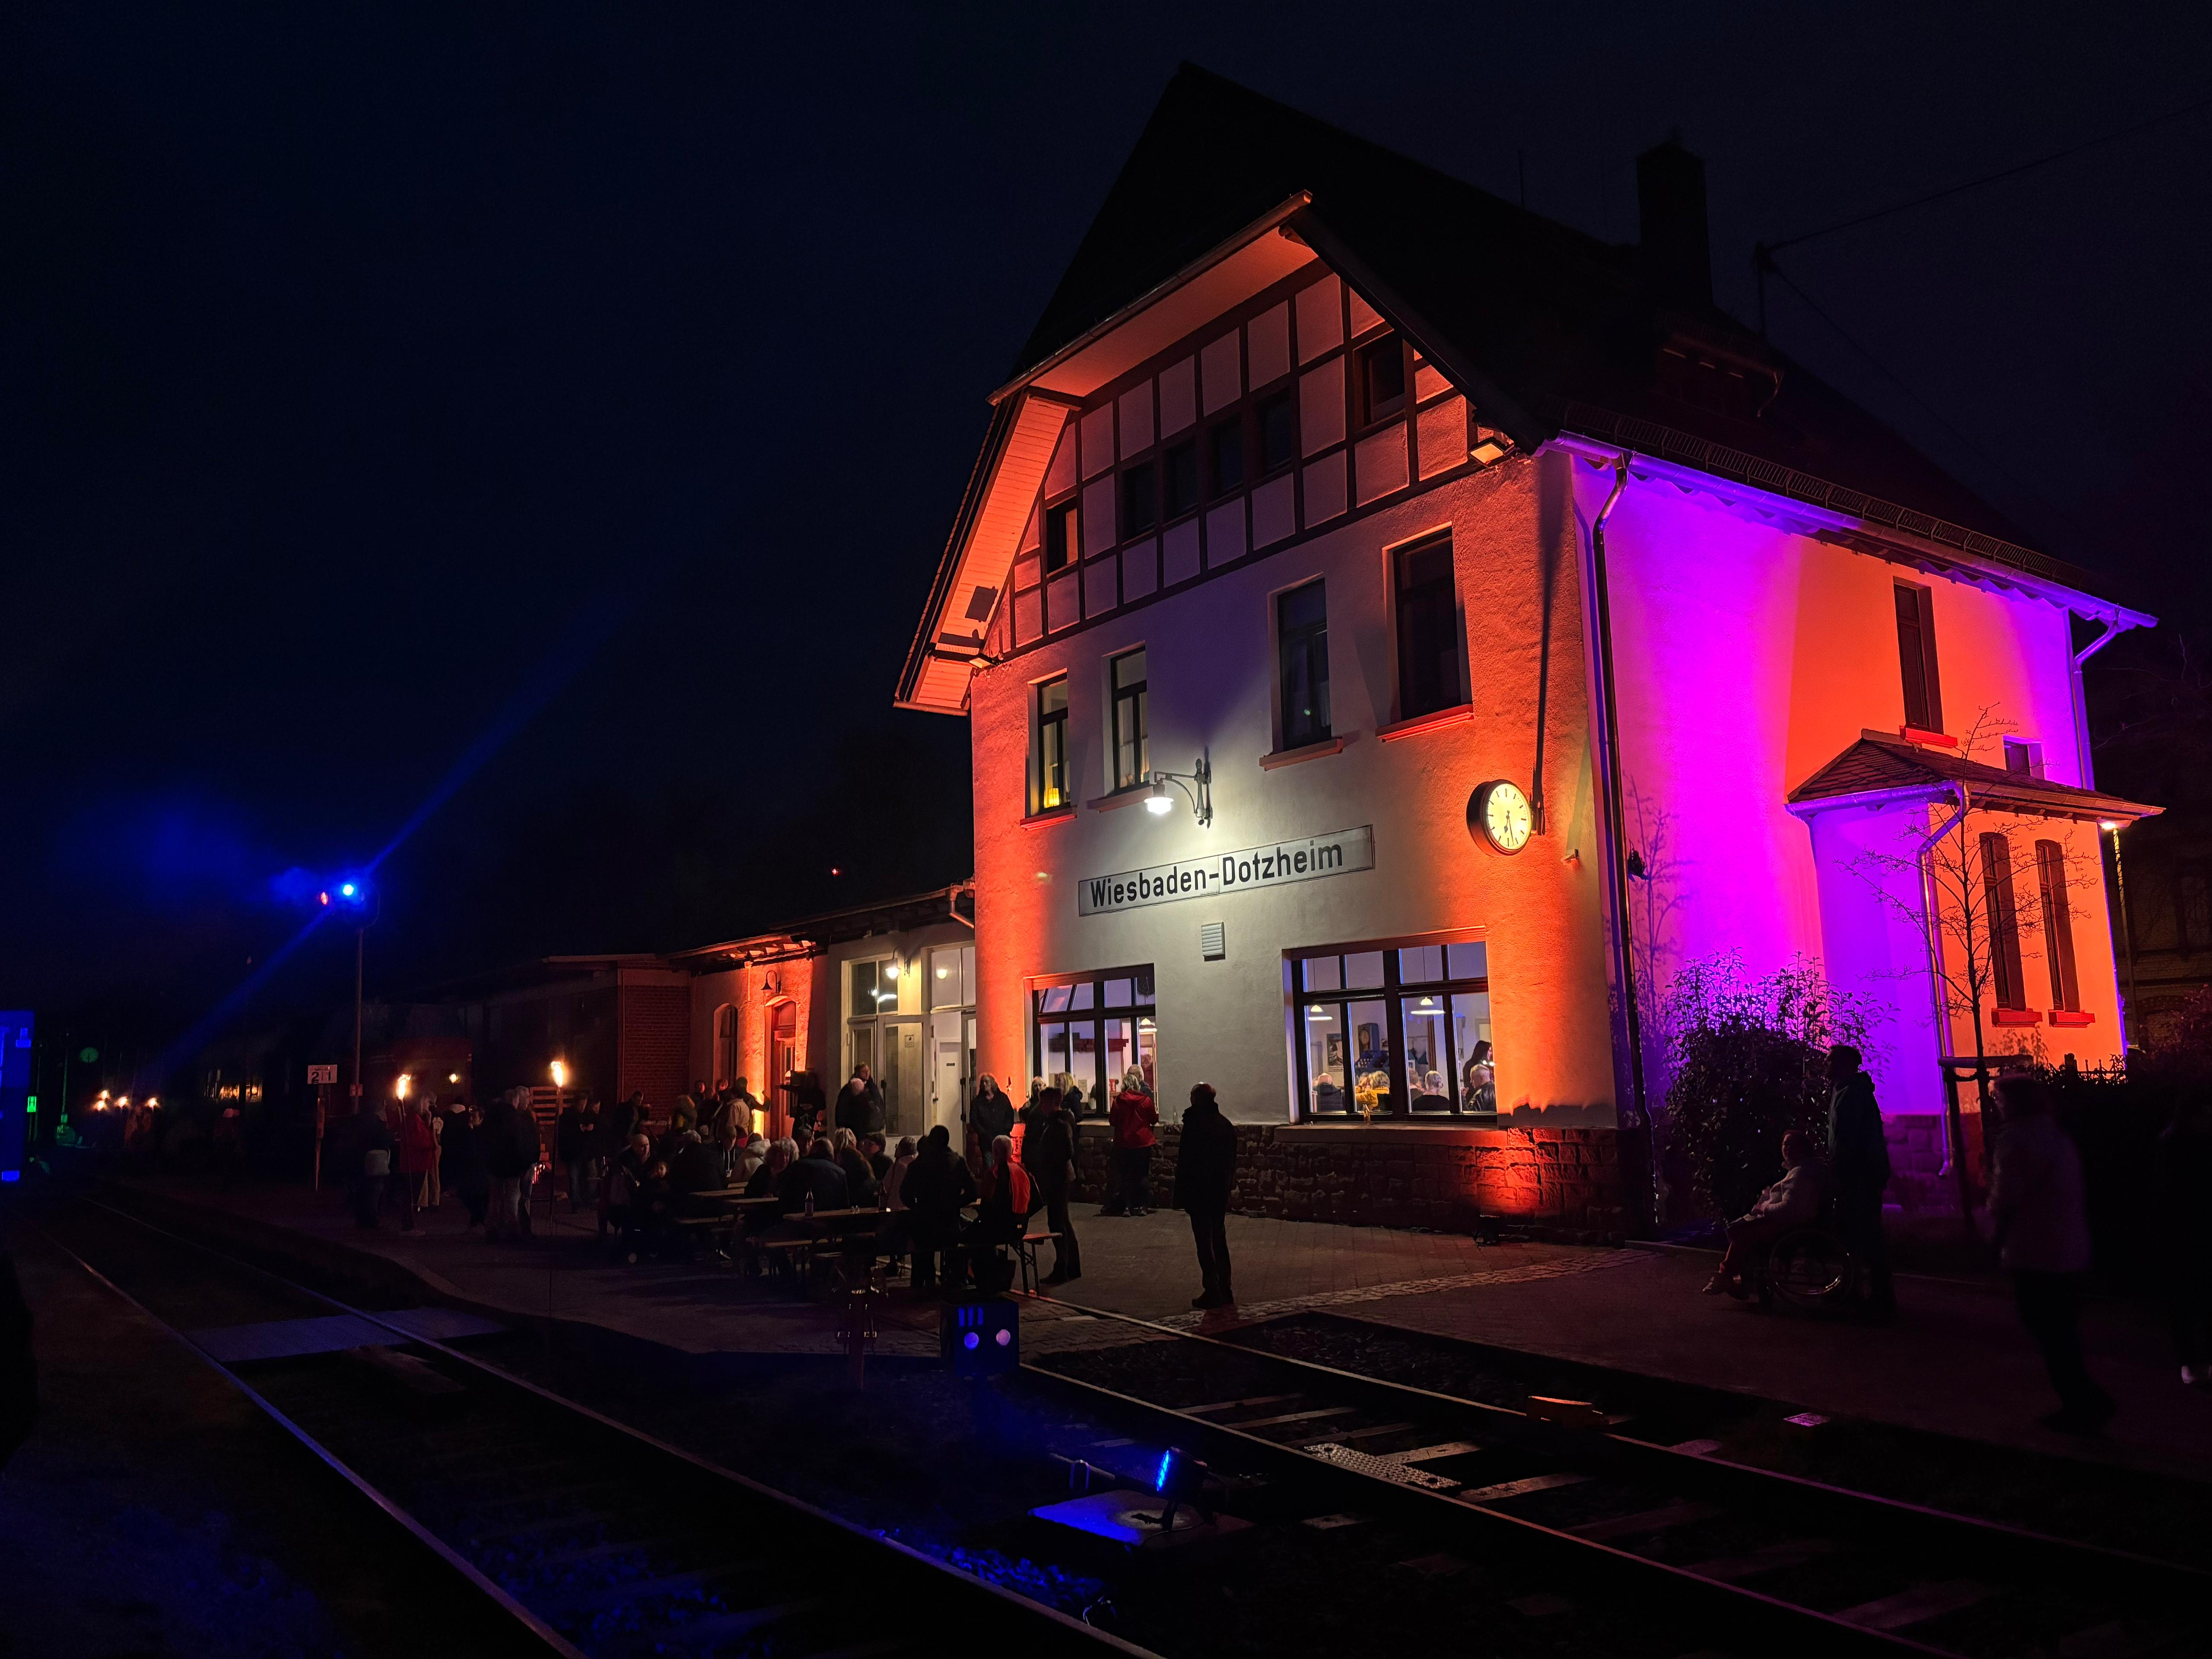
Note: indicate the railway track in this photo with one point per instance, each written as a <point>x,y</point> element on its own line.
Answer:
<point>594,1540</point>
<point>1747,1556</point>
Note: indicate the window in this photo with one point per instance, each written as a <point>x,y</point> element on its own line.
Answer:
<point>1140,500</point>
<point>1132,753</point>
<point>2001,921</point>
<point>952,976</point>
<point>875,986</point>
<point>1301,648</point>
<point>1179,478</point>
<point>1381,384</point>
<point>2023,758</point>
<point>1060,537</point>
<point>1052,745</point>
<point>1428,630</point>
<point>1395,1033</point>
<point>1916,657</point>
<point>1089,1030</point>
<point>1277,418</point>
<point>2058,926</point>
<point>1225,449</point>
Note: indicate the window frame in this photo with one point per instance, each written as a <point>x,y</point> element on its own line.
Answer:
<point>1366,415</point>
<point>1917,654</point>
<point>1457,693</point>
<point>1230,433</point>
<point>1050,733</point>
<point>1285,399</point>
<point>2052,886</point>
<point>1065,517</point>
<point>1139,696</point>
<point>1392,993</point>
<point>2000,923</point>
<point>1137,487</point>
<point>1287,735</point>
<point>1171,456</point>
<point>1144,998</point>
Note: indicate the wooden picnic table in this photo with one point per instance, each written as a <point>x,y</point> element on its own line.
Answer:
<point>833,1215</point>
<point>721,1192</point>
<point>741,1203</point>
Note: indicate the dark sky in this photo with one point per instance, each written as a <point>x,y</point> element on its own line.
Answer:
<point>369,377</point>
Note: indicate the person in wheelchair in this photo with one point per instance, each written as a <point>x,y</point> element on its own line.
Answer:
<point>1794,1201</point>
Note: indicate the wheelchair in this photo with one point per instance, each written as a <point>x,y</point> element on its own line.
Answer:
<point>1808,1267</point>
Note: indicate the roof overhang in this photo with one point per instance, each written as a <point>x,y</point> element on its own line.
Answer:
<point>1830,512</point>
<point>1252,261</point>
<point>1975,787</point>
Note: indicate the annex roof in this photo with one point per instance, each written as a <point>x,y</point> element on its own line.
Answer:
<point>807,936</point>
<point>1550,331</point>
<point>1886,768</point>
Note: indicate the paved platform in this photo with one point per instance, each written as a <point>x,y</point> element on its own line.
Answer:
<point>1955,1362</point>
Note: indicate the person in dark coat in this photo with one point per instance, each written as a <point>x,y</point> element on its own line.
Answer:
<point>1048,1156</point>
<point>461,1165</point>
<point>1205,1170</point>
<point>936,1187</point>
<point>510,1140</point>
<point>860,1177</point>
<point>1858,1161</point>
<point>990,1115</point>
<point>627,1118</point>
<point>817,1173</point>
<point>859,1104</point>
<point>370,1150</point>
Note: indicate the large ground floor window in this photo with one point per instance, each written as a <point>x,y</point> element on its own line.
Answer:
<point>1086,1030</point>
<point>1399,1032</point>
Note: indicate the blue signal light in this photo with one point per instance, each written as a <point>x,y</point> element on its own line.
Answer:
<point>11,1174</point>
<point>970,1342</point>
<point>347,890</point>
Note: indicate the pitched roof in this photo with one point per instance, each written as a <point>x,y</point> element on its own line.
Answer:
<point>1549,329</point>
<point>1888,766</point>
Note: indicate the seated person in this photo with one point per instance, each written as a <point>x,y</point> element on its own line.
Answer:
<point>696,1168</point>
<point>1428,1094</point>
<point>1328,1099</point>
<point>1002,1210</point>
<point>817,1173</point>
<point>649,1221</point>
<point>1791,1202</point>
<point>879,1161</point>
<point>859,1177</point>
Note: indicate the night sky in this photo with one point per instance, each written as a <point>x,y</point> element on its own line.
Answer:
<point>593,388</point>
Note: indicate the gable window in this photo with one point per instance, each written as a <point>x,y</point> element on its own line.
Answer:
<point>2023,759</point>
<point>2057,927</point>
<point>2001,923</point>
<point>1428,629</point>
<point>1381,379</point>
<point>1060,537</point>
<point>1302,651</point>
<point>1052,745</point>
<point>1140,500</point>
<point>1916,657</point>
<point>1179,478</point>
<point>1225,450</point>
<point>1277,418</point>
<point>1132,752</point>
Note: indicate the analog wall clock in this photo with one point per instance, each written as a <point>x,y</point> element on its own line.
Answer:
<point>1498,813</point>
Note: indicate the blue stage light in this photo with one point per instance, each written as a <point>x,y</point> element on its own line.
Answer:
<point>1167,1463</point>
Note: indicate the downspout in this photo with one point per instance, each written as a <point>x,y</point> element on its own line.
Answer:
<point>1954,1130</point>
<point>2086,772</point>
<point>952,902</point>
<point>1609,731</point>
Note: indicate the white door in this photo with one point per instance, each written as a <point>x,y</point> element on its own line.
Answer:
<point>948,1070</point>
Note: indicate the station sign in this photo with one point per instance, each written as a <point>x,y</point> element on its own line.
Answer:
<point>1306,858</point>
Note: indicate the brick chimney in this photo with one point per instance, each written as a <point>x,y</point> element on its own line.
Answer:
<point>1670,198</point>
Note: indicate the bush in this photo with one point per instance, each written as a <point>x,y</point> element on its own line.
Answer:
<point>1747,1062</point>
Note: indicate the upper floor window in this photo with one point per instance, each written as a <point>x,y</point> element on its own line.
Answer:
<point>1916,657</point>
<point>1381,382</point>
<point>2057,927</point>
<point>1225,451</point>
<point>1061,535</point>
<point>1277,418</point>
<point>1179,478</point>
<point>1302,650</point>
<point>1140,500</point>
<point>1052,743</point>
<point>2001,923</point>
<point>1428,629</point>
<point>1132,752</point>
<point>2023,757</point>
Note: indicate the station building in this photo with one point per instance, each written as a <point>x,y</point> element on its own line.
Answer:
<point>1401,633</point>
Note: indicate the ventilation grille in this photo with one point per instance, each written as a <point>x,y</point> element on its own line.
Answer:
<point>1211,943</point>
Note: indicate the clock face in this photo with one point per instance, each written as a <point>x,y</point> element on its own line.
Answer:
<point>1501,813</point>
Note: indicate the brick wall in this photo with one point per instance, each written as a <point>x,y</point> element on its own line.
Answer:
<point>1563,1180</point>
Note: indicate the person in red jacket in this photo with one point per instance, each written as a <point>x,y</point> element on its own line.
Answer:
<point>1132,1116</point>
<point>419,1152</point>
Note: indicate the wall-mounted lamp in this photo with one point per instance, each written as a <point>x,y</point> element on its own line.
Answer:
<point>1197,783</point>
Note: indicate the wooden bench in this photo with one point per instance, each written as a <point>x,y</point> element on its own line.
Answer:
<point>1025,1253</point>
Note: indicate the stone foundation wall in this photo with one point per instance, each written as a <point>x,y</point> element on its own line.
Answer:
<point>1565,1182</point>
<point>1918,1181</point>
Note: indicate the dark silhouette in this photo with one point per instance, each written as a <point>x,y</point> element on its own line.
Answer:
<point>1859,1162</point>
<point>1205,1173</point>
<point>2182,1190</point>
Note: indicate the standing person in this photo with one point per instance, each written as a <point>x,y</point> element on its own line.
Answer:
<point>743,1105</point>
<point>568,1145</point>
<point>1859,1166</point>
<point>1132,1118</point>
<point>1049,1155</point>
<point>418,1155</point>
<point>464,1170</point>
<point>2182,1188</point>
<point>2041,1227</point>
<point>859,1104</point>
<point>627,1119</point>
<point>1205,1170</point>
<point>436,1185</point>
<point>505,1163</point>
<point>990,1115</point>
<point>935,1186</point>
<point>529,1147</point>
<point>371,1143</point>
